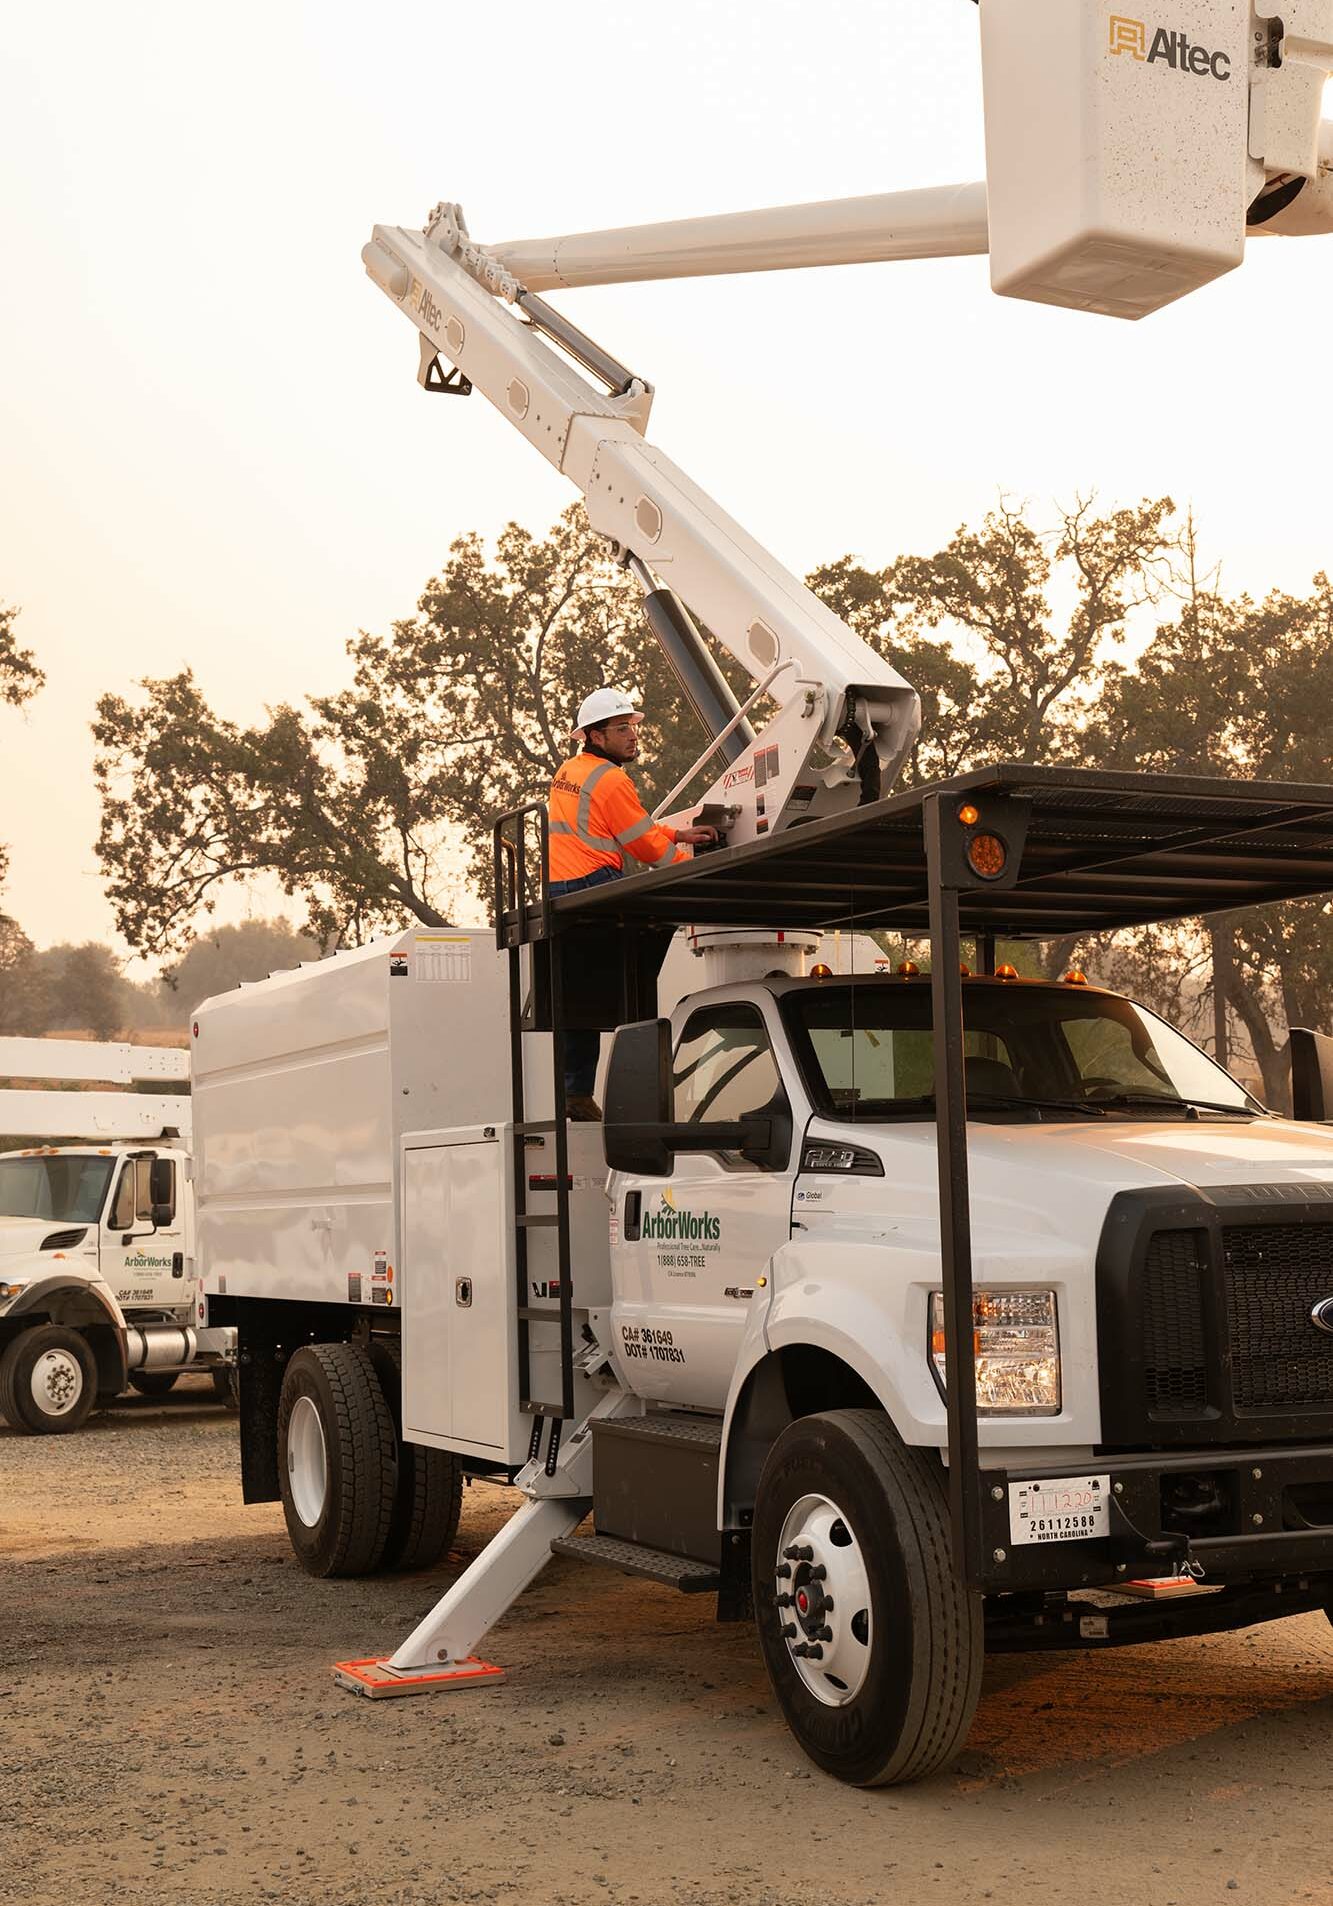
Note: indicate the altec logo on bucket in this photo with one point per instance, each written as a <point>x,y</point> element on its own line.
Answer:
<point>1172,49</point>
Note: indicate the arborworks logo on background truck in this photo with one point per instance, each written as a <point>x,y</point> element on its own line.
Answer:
<point>1131,36</point>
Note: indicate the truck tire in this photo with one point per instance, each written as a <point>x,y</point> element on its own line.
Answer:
<point>860,1521</point>
<point>336,1467</point>
<point>429,1498</point>
<point>48,1381</point>
<point>227,1386</point>
<point>153,1382</point>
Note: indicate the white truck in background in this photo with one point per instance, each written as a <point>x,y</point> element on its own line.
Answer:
<point>99,1283</point>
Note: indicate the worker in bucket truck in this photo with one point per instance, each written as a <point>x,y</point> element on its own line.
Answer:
<point>596,818</point>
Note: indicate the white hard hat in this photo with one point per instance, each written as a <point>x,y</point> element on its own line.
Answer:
<point>604,704</point>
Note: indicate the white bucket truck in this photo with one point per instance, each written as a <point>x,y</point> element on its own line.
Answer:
<point>99,1284</point>
<point>915,1315</point>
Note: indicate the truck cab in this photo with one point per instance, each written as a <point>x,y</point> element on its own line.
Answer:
<point>99,1284</point>
<point>1075,1095</point>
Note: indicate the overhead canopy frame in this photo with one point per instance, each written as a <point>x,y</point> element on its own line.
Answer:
<point>1103,851</point>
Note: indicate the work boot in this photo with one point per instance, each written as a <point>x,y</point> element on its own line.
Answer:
<point>583,1108</point>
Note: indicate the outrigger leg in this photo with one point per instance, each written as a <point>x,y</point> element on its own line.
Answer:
<point>438,1654</point>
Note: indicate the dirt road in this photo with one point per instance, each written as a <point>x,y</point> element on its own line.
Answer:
<point>169,1732</point>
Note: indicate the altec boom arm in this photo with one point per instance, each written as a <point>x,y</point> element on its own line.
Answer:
<point>682,545</point>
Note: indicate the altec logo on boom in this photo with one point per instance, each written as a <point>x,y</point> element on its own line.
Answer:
<point>1174,49</point>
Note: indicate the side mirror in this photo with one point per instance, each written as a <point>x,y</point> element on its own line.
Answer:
<point>639,1132</point>
<point>1311,1075</point>
<point>162,1190</point>
<point>639,1099</point>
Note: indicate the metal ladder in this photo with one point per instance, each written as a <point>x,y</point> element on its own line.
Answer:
<point>522,921</point>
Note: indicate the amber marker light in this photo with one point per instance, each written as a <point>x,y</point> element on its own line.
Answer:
<point>908,970</point>
<point>986,855</point>
<point>1075,978</point>
<point>1006,972</point>
<point>968,816</point>
<point>821,971</point>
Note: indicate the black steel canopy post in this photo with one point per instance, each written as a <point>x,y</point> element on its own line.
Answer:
<point>946,997</point>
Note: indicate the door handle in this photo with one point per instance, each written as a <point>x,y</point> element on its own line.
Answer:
<point>633,1216</point>
<point>178,1263</point>
<point>463,1292</point>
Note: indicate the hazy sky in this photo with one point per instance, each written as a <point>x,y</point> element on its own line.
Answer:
<point>214,448</point>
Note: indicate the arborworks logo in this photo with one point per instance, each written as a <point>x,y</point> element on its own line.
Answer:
<point>1174,49</point>
<point>667,1222</point>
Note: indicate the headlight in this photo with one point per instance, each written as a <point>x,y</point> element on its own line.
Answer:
<point>1016,1339</point>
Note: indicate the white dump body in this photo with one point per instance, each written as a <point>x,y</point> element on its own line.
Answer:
<point>304,1085</point>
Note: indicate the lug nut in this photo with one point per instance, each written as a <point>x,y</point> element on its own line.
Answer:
<point>799,1552</point>
<point>784,1601</point>
<point>788,1629</point>
<point>823,1634</point>
<point>784,1571</point>
<point>818,1572</point>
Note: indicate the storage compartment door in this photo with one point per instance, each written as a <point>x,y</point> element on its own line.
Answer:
<point>457,1297</point>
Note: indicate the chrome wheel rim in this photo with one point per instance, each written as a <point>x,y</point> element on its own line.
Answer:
<point>823,1600</point>
<point>307,1461</point>
<point>56,1382</point>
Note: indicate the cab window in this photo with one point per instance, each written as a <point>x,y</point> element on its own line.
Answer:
<point>122,1205</point>
<point>724,1067</point>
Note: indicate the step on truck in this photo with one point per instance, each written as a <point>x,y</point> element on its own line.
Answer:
<point>99,1282</point>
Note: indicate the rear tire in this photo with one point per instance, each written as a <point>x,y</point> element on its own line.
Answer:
<point>336,1467</point>
<point>153,1382</point>
<point>889,1695</point>
<point>429,1498</point>
<point>48,1381</point>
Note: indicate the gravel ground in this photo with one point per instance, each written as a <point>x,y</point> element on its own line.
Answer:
<point>169,1732</point>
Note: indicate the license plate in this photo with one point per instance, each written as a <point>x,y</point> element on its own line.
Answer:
<point>1061,1509</point>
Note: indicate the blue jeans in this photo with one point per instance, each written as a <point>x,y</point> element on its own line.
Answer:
<point>582,1047</point>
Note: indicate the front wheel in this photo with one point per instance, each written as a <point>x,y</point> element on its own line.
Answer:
<point>48,1381</point>
<point>873,1648</point>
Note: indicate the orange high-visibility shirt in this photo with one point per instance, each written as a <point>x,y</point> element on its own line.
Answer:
<point>597,818</point>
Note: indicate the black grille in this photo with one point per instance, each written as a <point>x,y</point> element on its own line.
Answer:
<point>1275,1275</point>
<point>1173,1346</point>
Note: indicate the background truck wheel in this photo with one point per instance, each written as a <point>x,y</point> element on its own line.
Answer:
<point>429,1497</point>
<point>880,1687</point>
<point>48,1381</point>
<point>153,1382</point>
<point>227,1386</point>
<point>336,1465</point>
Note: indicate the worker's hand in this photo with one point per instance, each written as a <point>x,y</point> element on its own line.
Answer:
<point>696,836</point>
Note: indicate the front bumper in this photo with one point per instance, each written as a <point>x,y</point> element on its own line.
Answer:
<point>1270,1515</point>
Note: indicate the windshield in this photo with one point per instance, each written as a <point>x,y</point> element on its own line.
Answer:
<point>867,1051</point>
<point>69,1188</point>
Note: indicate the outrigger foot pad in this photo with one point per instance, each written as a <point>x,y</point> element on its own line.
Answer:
<point>378,1680</point>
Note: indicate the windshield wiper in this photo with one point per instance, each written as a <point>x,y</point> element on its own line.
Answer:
<point>1027,1101</point>
<point>1187,1104</point>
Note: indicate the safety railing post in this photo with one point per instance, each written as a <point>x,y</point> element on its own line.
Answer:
<point>946,993</point>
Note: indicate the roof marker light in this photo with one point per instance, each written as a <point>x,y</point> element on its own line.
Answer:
<point>1074,977</point>
<point>908,969</point>
<point>1006,972</point>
